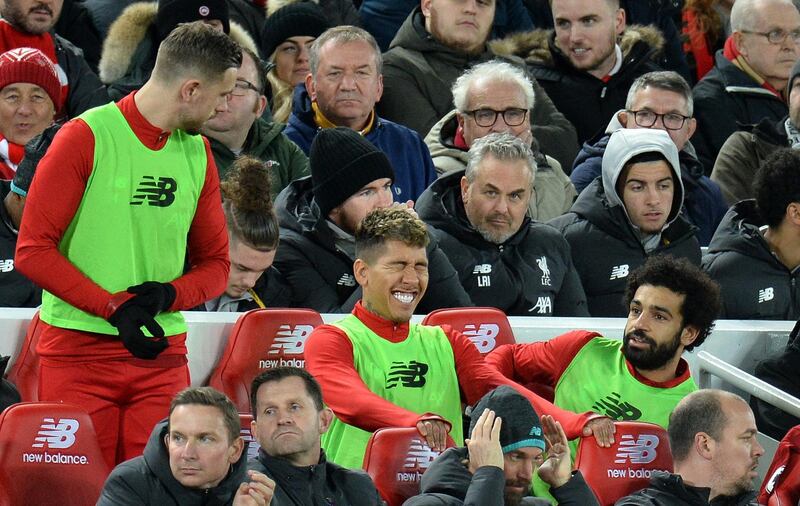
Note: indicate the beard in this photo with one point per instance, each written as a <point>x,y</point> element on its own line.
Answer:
<point>511,498</point>
<point>655,356</point>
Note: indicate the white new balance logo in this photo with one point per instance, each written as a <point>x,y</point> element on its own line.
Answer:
<point>482,337</point>
<point>290,341</point>
<point>250,441</point>
<point>347,280</point>
<point>482,269</point>
<point>7,265</point>
<point>56,435</point>
<point>639,451</point>
<point>619,271</point>
<point>419,455</point>
<point>766,294</point>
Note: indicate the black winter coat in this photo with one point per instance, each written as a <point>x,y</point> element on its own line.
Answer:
<point>605,248</point>
<point>782,371</point>
<point>530,274</point>
<point>85,89</point>
<point>321,275</point>
<point>323,483</point>
<point>669,490</point>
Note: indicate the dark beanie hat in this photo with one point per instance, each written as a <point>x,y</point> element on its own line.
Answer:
<point>293,20</point>
<point>521,427</point>
<point>342,162</point>
<point>171,13</point>
<point>793,74</point>
<point>28,65</point>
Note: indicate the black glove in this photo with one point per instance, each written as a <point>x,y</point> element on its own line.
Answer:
<point>152,296</point>
<point>129,319</point>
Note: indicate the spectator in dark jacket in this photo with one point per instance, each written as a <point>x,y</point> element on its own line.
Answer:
<point>504,259</point>
<point>755,254</point>
<point>25,26</point>
<point>629,213</point>
<point>587,69</point>
<point>338,12</point>
<point>319,215</point>
<point>748,82</point>
<point>505,448</point>
<point>432,49</point>
<point>344,84</point>
<point>192,458</point>
<point>288,419</point>
<point>662,100</point>
<point>715,452</point>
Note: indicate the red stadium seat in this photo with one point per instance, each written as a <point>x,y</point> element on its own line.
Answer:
<point>261,339</point>
<point>251,450</point>
<point>49,455</point>
<point>486,327</point>
<point>639,449</point>
<point>781,486</point>
<point>395,460</point>
<point>24,374</point>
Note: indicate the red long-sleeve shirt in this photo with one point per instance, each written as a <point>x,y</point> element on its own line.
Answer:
<point>329,357</point>
<point>546,361</point>
<point>53,199</point>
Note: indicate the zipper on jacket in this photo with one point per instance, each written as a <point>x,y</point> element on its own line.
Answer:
<point>603,92</point>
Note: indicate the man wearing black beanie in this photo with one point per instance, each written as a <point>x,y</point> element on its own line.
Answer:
<point>505,448</point>
<point>319,214</point>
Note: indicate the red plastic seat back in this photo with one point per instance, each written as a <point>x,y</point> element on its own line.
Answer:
<point>486,327</point>
<point>261,339</point>
<point>639,449</point>
<point>781,486</point>
<point>251,445</point>
<point>49,455</point>
<point>395,460</point>
<point>24,373</point>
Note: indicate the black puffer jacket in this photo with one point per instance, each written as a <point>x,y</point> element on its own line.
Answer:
<point>605,248</point>
<point>147,480</point>
<point>447,482</point>
<point>321,275</point>
<point>782,371</point>
<point>323,483</point>
<point>85,89</point>
<point>669,490</point>
<point>15,289</point>
<point>755,285</point>
<point>530,274</point>
<point>586,101</point>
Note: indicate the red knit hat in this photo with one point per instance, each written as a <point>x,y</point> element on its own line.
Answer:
<point>28,65</point>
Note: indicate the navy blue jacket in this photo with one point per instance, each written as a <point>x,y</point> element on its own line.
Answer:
<point>408,154</point>
<point>703,203</point>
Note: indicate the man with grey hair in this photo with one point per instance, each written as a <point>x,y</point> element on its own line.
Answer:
<point>715,452</point>
<point>662,100</point>
<point>748,81</point>
<point>504,259</point>
<point>344,84</point>
<point>493,97</point>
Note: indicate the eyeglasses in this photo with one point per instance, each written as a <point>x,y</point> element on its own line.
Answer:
<point>487,117</point>
<point>670,120</point>
<point>777,36</point>
<point>241,88</point>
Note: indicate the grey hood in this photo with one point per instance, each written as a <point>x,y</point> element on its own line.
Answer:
<point>627,143</point>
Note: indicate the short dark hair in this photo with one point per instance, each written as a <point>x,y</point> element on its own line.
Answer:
<point>261,69</point>
<point>388,224</point>
<point>777,184</point>
<point>207,396</point>
<point>700,411</point>
<point>196,49</point>
<point>280,373</point>
<point>701,304</point>
<point>667,80</point>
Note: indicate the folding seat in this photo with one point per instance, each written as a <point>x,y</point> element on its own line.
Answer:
<point>396,458</point>
<point>49,455</point>
<point>251,445</point>
<point>261,339</point>
<point>24,373</point>
<point>639,449</point>
<point>486,327</point>
<point>781,485</point>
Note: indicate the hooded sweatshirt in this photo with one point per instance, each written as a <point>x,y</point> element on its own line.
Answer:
<point>148,480</point>
<point>606,246</point>
<point>755,285</point>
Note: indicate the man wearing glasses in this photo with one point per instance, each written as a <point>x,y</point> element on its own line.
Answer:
<point>662,100</point>
<point>495,97</point>
<point>504,259</point>
<point>240,130</point>
<point>748,81</point>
